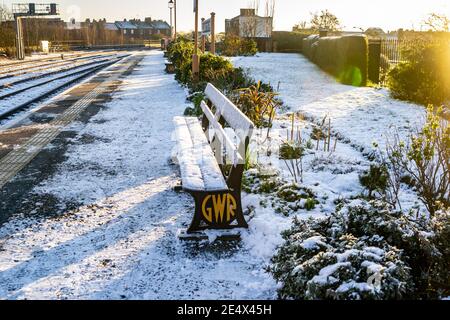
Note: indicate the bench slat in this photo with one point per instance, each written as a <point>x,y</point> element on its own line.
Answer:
<point>198,166</point>
<point>232,150</point>
<point>241,124</point>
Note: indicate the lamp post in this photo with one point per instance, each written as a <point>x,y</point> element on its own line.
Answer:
<point>171,6</point>
<point>175,18</point>
<point>195,57</point>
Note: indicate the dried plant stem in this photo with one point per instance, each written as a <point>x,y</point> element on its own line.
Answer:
<point>329,134</point>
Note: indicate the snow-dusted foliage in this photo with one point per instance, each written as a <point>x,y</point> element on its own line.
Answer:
<point>364,251</point>
<point>284,197</point>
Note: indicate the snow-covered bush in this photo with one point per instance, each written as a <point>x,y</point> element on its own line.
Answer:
<point>364,251</point>
<point>425,158</point>
<point>284,197</point>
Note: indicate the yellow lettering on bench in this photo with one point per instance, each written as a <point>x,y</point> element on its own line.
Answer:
<point>219,206</point>
<point>231,205</point>
<point>214,206</point>
<point>207,212</point>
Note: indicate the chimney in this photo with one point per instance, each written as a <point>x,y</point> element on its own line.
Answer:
<point>248,12</point>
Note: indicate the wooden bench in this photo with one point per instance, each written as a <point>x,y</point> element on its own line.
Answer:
<point>211,154</point>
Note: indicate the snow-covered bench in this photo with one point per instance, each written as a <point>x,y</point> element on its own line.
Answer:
<point>212,161</point>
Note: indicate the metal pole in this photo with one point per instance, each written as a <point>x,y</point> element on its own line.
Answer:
<point>175,16</point>
<point>213,33</point>
<point>195,58</point>
<point>171,25</point>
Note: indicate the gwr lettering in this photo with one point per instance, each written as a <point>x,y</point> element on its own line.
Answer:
<point>220,204</point>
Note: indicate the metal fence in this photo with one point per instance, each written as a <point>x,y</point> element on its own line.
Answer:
<point>393,51</point>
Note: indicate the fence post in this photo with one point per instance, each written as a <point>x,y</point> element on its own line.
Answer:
<point>374,60</point>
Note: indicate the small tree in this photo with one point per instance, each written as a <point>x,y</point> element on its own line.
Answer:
<point>425,158</point>
<point>5,14</point>
<point>438,22</point>
<point>302,25</point>
<point>325,20</point>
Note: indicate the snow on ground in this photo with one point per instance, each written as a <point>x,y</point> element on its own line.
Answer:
<point>362,115</point>
<point>121,242</point>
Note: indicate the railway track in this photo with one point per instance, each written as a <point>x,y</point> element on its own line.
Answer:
<point>43,75</point>
<point>26,99</point>
<point>36,68</point>
<point>6,69</point>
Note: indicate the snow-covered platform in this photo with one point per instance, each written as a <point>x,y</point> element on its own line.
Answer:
<point>22,139</point>
<point>103,220</point>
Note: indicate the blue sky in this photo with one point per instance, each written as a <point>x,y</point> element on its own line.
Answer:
<point>388,14</point>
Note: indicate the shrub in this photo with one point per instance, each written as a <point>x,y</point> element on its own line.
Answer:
<point>339,257</point>
<point>213,69</point>
<point>196,99</point>
<point>425,159</point>
<point>258,102</point>
<point>375,180</point>
<point>248,47</point>
<point>235,46</point>
<point>231,46</point>
<point>423,78</point>
<point>180,52</point>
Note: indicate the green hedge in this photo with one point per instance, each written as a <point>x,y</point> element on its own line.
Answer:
<point>286,41</point>
<point>344,57</point>
<point>424,76</point>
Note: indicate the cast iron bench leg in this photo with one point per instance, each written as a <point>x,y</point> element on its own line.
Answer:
<point>217,210</point>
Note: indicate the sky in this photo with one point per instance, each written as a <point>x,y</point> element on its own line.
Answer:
<point>353,14</point>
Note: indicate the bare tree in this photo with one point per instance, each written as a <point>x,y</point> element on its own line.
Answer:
<point>302,25</point>
<point>438,22</point>
<point>270,8</point>
<point>325,20</point>
<point>5,14</point>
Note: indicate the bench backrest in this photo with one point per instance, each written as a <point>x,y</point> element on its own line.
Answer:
<point>234,143</point>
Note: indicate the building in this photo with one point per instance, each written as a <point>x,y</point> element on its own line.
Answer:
<point>159,27</point>
<point>249,25</point>
<point>127,28</point>
<point>145,30</point>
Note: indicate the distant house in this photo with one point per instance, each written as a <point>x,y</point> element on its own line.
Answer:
<point>159,27</point>
<point>138,29</point>
<point>144,29</point>
<point>249,25</point>
<point>111,27</point>
<point>126,28</point>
